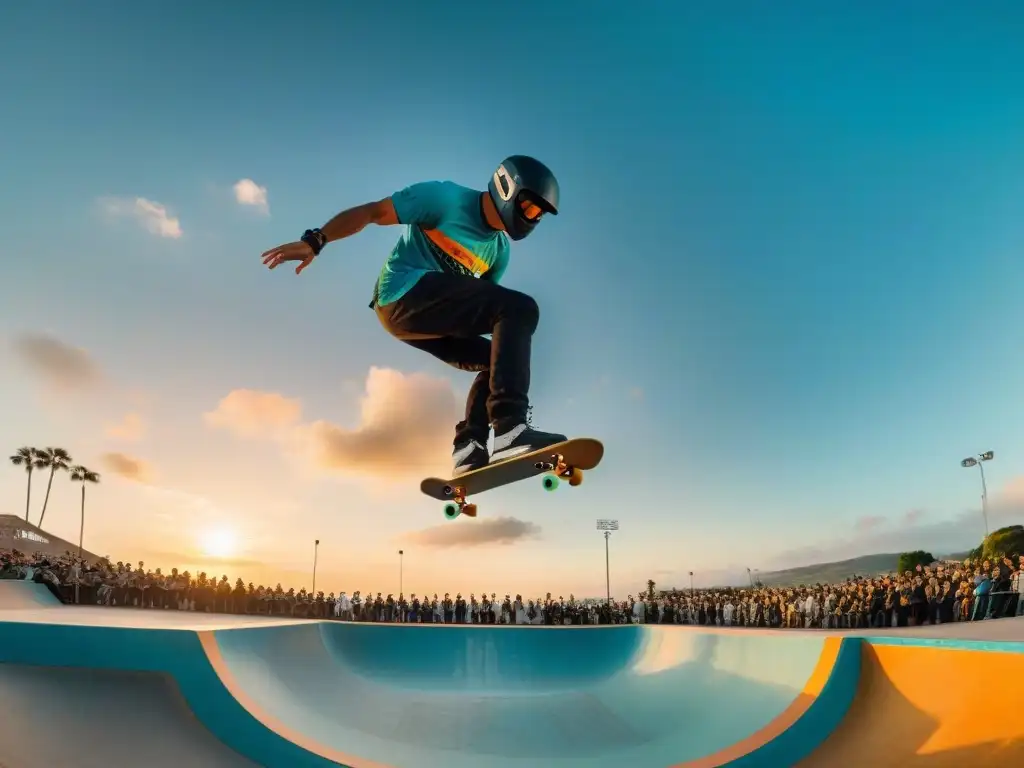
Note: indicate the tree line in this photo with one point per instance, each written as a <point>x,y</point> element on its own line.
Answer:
<point>53,460</point>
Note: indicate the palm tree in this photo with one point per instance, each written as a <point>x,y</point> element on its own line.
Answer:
<point>26,457</point>
<point>52,459</point>
<point>82,475</point>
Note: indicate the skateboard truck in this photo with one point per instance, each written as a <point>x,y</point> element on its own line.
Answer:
<point>555,469</point>
<point>558,469</point>
<point>457,506</point>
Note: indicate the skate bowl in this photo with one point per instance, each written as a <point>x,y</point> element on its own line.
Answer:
<point>233,691</point>
<point>21,595</point>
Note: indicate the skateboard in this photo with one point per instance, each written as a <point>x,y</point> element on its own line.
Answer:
<point>562,461</point>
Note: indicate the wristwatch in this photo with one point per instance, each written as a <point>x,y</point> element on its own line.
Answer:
<point>315,239</point>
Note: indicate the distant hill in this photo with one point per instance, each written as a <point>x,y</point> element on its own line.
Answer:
<point>833,573</point>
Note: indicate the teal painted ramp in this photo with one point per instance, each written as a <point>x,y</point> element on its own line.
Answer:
<point>323,693</point>
<point>460,696</point>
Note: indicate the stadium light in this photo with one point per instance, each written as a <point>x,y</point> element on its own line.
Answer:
<point>316,551</point>
<point>607,526</point>
<point>401,571</point>
<point>979,462</point>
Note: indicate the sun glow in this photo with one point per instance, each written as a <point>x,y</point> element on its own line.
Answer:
<point>219,542</point>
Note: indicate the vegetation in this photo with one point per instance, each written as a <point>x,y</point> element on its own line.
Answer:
<point>1005,541</point>
<point>26,457</point>
<point>910,560</point>
<point>56,460</point>
<point>53,459</point>
<point>84,476</point>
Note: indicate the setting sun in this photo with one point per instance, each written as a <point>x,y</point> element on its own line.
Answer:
<point>219,542</point>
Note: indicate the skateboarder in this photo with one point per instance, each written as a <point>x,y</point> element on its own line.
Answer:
<point>439,291</point>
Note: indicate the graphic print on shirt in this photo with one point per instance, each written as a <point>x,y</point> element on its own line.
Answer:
<point>452,256</point>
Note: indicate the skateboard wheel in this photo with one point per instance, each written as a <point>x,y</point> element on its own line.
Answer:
<point>550,482</point>
<point>575,477</point>
<point>451,510</point>
<point>470,510</point>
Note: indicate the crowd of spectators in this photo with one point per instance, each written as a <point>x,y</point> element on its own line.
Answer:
<point>939,593</point>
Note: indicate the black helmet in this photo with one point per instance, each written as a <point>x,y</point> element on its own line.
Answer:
<point>520,177</point>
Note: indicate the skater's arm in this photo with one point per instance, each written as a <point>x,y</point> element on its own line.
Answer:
<point>345,224</point>
<point>422,204</point>
<point>353,220</point>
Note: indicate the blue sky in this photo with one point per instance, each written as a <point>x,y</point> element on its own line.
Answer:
<point>783,287</point>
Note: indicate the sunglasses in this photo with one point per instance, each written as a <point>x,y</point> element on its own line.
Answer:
<point>531,211</point>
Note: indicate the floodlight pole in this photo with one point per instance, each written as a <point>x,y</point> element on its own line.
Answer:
<point>607,569</point>
<point>980,463</point>
<point>316,551</point>
<point>607,526</point>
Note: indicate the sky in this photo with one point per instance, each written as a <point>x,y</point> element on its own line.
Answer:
<point>783,288</point>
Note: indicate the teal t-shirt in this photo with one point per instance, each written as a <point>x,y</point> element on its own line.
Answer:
<point>445,231</point>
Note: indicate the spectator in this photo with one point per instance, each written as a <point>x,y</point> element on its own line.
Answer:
<point>937,594</point>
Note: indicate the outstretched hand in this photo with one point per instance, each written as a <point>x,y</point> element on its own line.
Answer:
<point>297,251</point>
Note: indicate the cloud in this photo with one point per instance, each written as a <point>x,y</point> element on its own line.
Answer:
<point>914,516</point>
<point>405,428</point>
<point>1012,493</point>
<point>406,425</point>
<point>869,523</point>
<point>251,413</point>
<point>151,215</point>
<point>59,364</point>
<point>500,530</point>
<point>127,467</point>
<point>958,532</point>
<point>915,529</point>
<point>130,428</point>
<point>248,192</point>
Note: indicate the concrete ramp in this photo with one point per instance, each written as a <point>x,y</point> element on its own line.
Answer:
<point>932,704</point>
<point>296,694</point>
<point>25,595</point>
<point>437,696</point>
<point>90,718</point>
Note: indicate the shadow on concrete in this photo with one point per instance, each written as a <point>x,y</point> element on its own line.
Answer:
<point>87,718</point>
<point>919,707</point>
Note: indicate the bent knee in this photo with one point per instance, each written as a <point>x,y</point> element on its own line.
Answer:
<point>523,308</point>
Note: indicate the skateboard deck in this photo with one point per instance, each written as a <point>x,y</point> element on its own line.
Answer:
<point>562,461</point>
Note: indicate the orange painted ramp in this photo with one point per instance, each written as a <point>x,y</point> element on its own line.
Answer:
<point>920,706</point>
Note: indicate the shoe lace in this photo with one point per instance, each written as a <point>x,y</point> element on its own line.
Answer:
<point>529,415</point>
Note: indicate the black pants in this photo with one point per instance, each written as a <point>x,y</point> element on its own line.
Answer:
<point>447,316</point>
